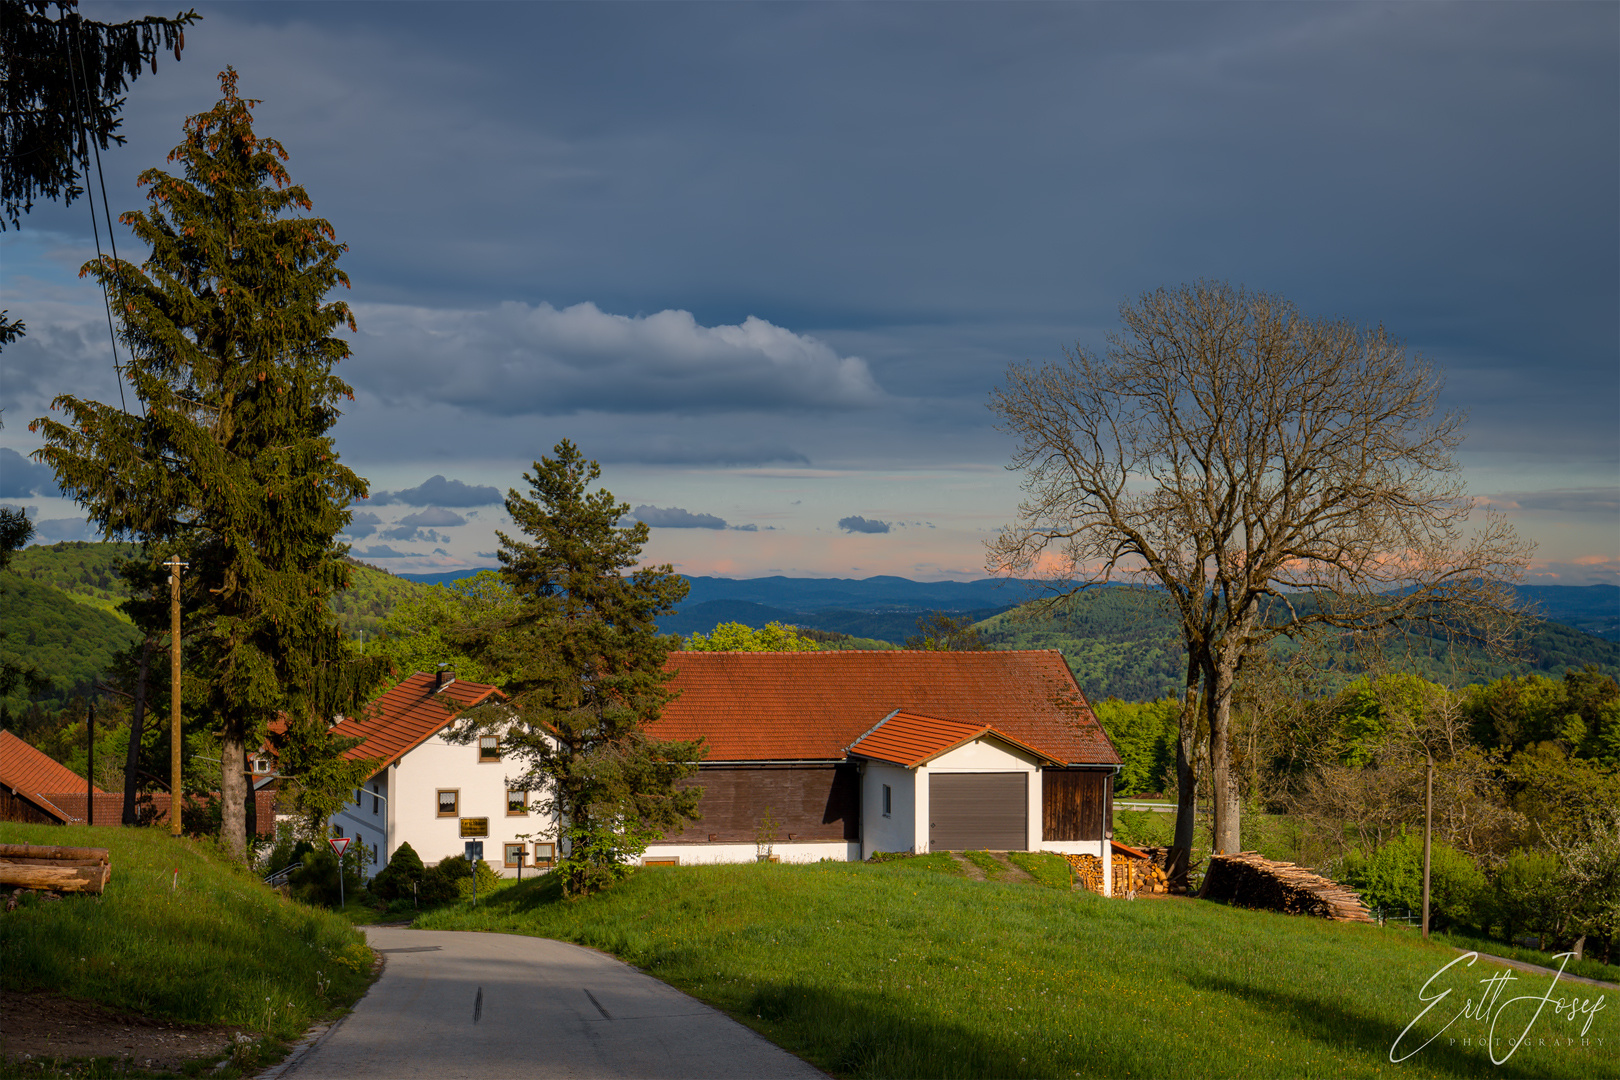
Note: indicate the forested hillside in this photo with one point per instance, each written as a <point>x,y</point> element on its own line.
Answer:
<point>88,574</point>
<point>1122,643</point>
<point>69,643</point>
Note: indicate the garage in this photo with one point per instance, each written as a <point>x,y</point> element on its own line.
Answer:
<point>979,811</point>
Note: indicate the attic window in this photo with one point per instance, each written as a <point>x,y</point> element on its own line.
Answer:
<point>489,748</point>
<point>888,800</point>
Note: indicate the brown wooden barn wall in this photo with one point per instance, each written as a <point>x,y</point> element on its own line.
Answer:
<point>14,807</point>
<point>1074,803</point>
<point>818,802</point>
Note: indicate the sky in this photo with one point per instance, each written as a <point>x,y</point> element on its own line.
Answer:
<point>766,263</point>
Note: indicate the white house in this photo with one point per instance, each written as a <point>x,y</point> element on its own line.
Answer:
<point>825,755</point>
<point>436,794</point>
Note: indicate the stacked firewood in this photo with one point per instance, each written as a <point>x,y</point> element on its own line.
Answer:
<point>1248,880</point>
<point>1087,869</point>
<point>1150,874</point>
<point>1159,857</point>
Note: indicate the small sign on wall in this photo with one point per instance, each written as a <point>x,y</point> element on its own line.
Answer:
<point>475,826</point>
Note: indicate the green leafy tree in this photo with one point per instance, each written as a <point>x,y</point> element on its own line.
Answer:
<point>735,637</point>
<point>584,671</point>
<point>424,631</point>
<point>941,633</point>
<point>1145,735</point>
<point>228,461</point>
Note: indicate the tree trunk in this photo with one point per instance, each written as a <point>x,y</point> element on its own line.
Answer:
<point>137,721</point>
<point>233,794</point>
<point>1222,676</point>
<point>1176,863</point>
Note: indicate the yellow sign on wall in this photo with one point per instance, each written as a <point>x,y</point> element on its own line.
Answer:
<point>475,826</point>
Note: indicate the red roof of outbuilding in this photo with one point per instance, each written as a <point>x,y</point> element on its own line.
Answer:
<point>908,739</point>
<point>29,772</point>
<point>813,705</point>
<point>410,714</point>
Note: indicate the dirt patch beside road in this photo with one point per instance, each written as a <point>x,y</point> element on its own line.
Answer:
<point>49,1025</point>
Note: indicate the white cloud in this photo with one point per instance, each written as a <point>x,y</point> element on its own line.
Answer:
<point>518,359</point>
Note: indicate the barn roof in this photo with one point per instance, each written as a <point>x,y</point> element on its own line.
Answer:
<point>30,773</point>
<point>814,705</point>
<point>910,740</point>
<point>408,715</point>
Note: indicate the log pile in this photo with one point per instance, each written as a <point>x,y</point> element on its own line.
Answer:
<point>1150,874</point>
<point>1159,857</point>
<point>61,869</point>
<point>1248,880</point>
<point>1087,870</point>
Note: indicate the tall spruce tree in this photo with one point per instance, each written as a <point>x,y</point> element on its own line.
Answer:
<point>584,671</point>
<point>228,461</point>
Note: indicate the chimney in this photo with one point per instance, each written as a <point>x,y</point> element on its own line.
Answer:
<point>439,678</point>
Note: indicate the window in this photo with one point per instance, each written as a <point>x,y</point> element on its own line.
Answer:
<point>449,802</point>
<point>357,798</point>
<point>517,802</point>
<point>888,800</point>
<point>489,748</point>
<point>667,860</point>
<point>543,855</point>
<point>376,803</point>
<point>514,854</point>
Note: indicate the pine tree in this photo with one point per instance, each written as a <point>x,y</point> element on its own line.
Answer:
<point>584,671</point>
<point>228,461</point>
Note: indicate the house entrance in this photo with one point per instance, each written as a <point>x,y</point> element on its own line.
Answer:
<point>982,811</point>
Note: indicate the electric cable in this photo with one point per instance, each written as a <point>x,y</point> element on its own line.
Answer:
<point>88,141</point>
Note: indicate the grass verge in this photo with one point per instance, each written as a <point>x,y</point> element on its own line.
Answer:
<point>891,970</point>
<point>1051,871</point>
<point>208,944</point>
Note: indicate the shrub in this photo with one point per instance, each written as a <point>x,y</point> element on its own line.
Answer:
<point>396,880</point>
<point>1529,895</point>
<point>316,882</point>
<point>1393,877</point>
<point>452,879</point>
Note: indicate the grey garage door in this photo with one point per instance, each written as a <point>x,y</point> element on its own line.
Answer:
<point>983,811</point>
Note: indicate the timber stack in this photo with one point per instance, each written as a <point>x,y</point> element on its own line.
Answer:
<point>1249,880</point>
<point>56,869</point>
<point>1159,875</point>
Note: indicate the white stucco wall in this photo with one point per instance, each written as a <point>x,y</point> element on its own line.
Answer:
<point>898,831</point>
<point>699,854</point>
<point>411,811</point>
<point>984,755</point>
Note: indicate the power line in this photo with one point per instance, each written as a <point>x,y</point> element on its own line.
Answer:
<point>76,81</point>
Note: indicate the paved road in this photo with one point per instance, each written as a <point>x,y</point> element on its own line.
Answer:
<point>493,1006</point>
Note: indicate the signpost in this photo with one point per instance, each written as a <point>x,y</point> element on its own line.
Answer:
<point>340,844</point>
<point>475,851</point>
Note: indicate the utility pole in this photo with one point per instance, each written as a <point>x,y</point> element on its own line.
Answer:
<point>90,767</point>
<point>1428,829</point>
<point>176,796</point>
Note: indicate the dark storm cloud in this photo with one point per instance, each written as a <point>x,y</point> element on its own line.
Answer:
<point>518,360</point>
<point>383,551</point>
<point>437,491</point>
<point>857,524</point>
<point>20,478</point>
<point>433,516</point>
<point>675,518</point>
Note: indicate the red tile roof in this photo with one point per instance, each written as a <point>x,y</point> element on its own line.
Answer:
<point>910,740</point>
<point>410,714</point>
<point>29,773</point>
<point>813,705</point>
<point>153,809</point>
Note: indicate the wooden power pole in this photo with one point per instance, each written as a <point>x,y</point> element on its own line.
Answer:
<point>176,795</point>
<point>1428,830</point>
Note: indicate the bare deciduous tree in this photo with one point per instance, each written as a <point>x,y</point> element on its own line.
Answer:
<point>1274,474</point>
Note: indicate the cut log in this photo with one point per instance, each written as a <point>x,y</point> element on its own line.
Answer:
<point>51,851</point>
<point>62,869</point>
<point>1249,880</point>
<point>60,877</point>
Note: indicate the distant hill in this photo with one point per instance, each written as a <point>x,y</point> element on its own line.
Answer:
<point>71,643</point>
<point>88,574</point>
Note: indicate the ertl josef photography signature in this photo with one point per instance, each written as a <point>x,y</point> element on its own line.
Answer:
<point>1490,1010</point>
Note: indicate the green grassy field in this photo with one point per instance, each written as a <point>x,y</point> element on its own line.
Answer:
<point>210,945</point>
<point>898,970</point>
